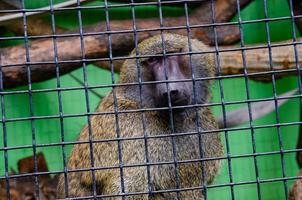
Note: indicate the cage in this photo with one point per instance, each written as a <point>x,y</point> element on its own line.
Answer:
<point>44,108</point>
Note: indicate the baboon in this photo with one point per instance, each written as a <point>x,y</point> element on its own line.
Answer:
<point>150,153</point>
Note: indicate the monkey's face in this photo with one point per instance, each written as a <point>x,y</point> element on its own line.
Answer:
<point>170,74</point>
<point>177,77</point>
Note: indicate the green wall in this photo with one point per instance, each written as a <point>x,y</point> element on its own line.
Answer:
<point>48,131</point>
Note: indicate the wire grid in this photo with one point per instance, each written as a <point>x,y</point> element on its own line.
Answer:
<point>86,88</point>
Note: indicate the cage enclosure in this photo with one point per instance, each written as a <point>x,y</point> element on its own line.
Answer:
<point>259,160</point>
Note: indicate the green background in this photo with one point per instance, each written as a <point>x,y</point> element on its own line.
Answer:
<point>48,131</point>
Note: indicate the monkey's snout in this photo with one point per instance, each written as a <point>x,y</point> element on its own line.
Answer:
<point>176,97</point>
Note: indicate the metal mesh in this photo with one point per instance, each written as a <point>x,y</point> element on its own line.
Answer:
<point>108,34</point>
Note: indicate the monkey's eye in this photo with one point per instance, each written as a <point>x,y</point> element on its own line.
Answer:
<point>152,60</point>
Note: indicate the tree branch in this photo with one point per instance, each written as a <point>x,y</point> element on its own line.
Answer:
<point>70,53</point>
<point>257,60</point>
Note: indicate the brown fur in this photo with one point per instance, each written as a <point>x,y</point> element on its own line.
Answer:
<point>162,177</point>
<point>296,190</point>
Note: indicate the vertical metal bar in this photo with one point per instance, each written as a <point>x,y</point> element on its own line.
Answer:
<point>53,27</point>
<point>248,98</point>
<point>87,99</point>
<point>116,112</point>
<point>138,65</point>
<point>226,135</point>
<point>169,100</point>
<point>31,107</point>
<point>3,118</point>
<point>201,150</point>
<point>275,99</point>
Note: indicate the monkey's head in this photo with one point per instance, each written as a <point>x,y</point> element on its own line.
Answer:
<point>173,73</point>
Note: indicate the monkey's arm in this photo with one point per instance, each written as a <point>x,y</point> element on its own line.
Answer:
<point>93,146</point>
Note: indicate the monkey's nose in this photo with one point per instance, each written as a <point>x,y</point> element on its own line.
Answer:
<point>174,97</point>
<point>173,94</point>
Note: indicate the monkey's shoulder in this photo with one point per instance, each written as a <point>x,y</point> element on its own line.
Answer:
<point>116,115</point>
<point>207,119</point>
<point>112,101</point>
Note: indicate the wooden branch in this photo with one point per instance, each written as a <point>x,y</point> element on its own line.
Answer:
<point>257,60</point>
<point>43,51</point>
<point>24,186</point>
<point>35,27</point>
<point>228,8</point>
<point>13,59</point>
<point>224,11</point>
<point>5,6</point>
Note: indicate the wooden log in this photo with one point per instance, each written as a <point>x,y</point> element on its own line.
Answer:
<point>13,59</point>
<point>35,27</point>
<point>43,51</point>
<point>24,186</point>
<point>224,11</point>
<point>257,60</point>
